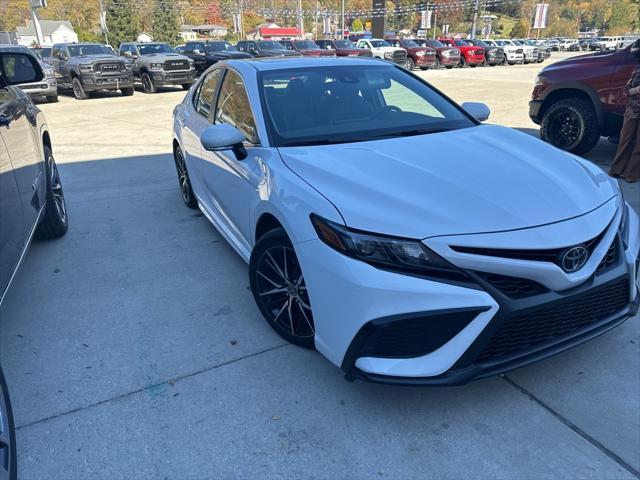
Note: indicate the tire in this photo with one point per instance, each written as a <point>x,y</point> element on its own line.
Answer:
<point>8,468</point>
<point>473,65</point>
<point>52,98</point>
<point>463,62</point>
<point>147,83</point>
<point>55,221</point>
<point>184,181</point>
<point>410,64</point>
<point>186,86</point>
<point>78,89</point>
<point>436,64</point>
<point>127,91</point>
<point>572,125</point>
<point>279,290</point>
<point>448,67</point>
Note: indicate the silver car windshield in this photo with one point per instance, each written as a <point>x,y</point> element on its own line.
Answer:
<point>80,50</point>
<point>338,104</point>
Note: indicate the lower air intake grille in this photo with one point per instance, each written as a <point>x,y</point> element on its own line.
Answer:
<point>514,287</point>
<point>565,317</point>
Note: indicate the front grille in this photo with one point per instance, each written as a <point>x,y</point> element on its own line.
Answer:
<point>109,67</point>
<point>170,65</point>
<point>513,287</point>
<point>609,259</point>
<point>399,54</point>
<point>414,337</point>
<point>430,53</point>
<point>554,321</point>
<point>552,255</point>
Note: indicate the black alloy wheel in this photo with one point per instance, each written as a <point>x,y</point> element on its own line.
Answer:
<point>8,465</point>
<point>55,221</point>
<point>463,62</point>
<point>572,125</point>
<point>279,289</point>
<point>78,89</point>
<point>183,180</point>
<point>409,64</point>
<point>52,98</point>
<point>147,84</point>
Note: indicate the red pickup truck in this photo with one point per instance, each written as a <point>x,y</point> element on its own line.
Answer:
<point>469,55</point>
<point>579,100</point>
<point>417,56</point>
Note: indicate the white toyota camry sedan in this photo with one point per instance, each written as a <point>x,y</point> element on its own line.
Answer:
<point>388,228</point>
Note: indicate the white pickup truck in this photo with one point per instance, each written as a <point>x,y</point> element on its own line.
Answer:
<point>513,53</point>
<point>383,49</point>
<point>606,44</point>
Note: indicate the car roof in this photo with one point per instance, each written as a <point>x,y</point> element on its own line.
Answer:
<point>66,44</point>
<point>269,64</point>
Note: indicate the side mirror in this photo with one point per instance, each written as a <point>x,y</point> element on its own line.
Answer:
<point>127,54</point>
<point>221,137</point>
<point>60,56</point>
<point>19,68</point>
<point>198,52</point>
<point>479,111</point>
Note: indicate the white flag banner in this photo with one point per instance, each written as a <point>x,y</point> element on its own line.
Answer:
<point>542,12</point>
<point>425,19</point>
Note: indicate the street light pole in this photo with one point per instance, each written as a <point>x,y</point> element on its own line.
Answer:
<point>476,7</point>
<point>342,32</point>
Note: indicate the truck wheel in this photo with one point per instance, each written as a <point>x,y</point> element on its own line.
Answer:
<point>147,84</point>
<point>448,67</point>
<point>52,98</point>
<point>463,62</point>
<point>78,89</point>
<point>127,91</point>
<point>409,64</point>
<point>436,64</point>
<point>571,125</point>
<point>186,86</point>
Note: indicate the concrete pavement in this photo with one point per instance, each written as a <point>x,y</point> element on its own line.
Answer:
<point>133,348</point>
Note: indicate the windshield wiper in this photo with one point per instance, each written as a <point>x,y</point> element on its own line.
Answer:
<point>323,141</point>
<point>410,133</point>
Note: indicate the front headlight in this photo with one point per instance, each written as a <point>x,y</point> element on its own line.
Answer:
<point>446,53</point>
<point>388,55</point>
<point>48,72</point>
<point>389,253</point>
<point>156,66</point>
<point>421,53</point>
<point>86,68</point>
<point>539,80</point>
<point>624,221</point>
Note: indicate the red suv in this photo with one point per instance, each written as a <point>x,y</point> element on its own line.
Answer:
<point>343,48</point>
<point>469,55</point>
<point>580,99</point>
<point>307,48</point>
<point>417,56</point>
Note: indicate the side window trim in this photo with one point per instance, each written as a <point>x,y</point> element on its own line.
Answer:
<point>219,72</point>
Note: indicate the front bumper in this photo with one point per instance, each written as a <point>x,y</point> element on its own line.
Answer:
<point>45,88</point>
<point>174,78</point>
<point>496,59</point>
<point>425,60</point>
<point>372,322</point>
<point>449,61</point>
<point>474,59</point>
<point>92,82</point>
<point>515,57</point>
<point>534,111</point>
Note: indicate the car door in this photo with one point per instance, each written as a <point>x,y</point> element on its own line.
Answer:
<point>18,118</point>
<point>235,183</point>
<point>12,238</point>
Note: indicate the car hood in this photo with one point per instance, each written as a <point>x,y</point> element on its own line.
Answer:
<point>317,52</point>
<point>95,58</point>
<point>165,56</point>
<point>279,53</point>
<point>387,49</point>
<point>474,180</point>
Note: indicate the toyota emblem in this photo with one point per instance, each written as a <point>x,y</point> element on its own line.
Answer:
<point>574,258</point>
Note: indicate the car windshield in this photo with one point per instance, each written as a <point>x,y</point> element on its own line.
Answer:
<point>305,44</point>
<point>151,48</point>
<point>344,44</point>
<point>502,43</point>
<point>270,45</point>
<point>409,44</point>
<point>435,43</point>
<point>42,52</point>
<point>461,43</point>
<point>80,50</point>
<point>380,43</point>
<point>219,47</point>
<point>341,104</point>
<point>479,43</point>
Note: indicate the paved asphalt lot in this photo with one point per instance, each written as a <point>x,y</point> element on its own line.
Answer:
<point>133,348</point>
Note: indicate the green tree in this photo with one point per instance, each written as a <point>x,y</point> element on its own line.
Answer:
<point>166,22</point>
<point>357,26</point>
<point>520,29</point>
<point>121,24</point>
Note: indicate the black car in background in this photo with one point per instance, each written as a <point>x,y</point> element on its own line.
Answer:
<point>206,53</point>
<point>493,55</point>
<point>266,48</point>
<point>31,198</point>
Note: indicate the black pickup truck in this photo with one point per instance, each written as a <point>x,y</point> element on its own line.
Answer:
<point>88,67</point>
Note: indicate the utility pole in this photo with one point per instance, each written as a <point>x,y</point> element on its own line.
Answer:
<point>300,20</point>
<point>342,23</point>
<point>474,25</point>
<point>35,5</point>
<point>103,23</point>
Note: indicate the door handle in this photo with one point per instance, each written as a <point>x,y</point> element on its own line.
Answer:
<point>5,120</point>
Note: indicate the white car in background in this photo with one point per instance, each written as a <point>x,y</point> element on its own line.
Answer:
<point>531,52</point>
<point>513,53</point>
<point>607,44</point>
<point>383,49</point>
<point>389,229</point>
